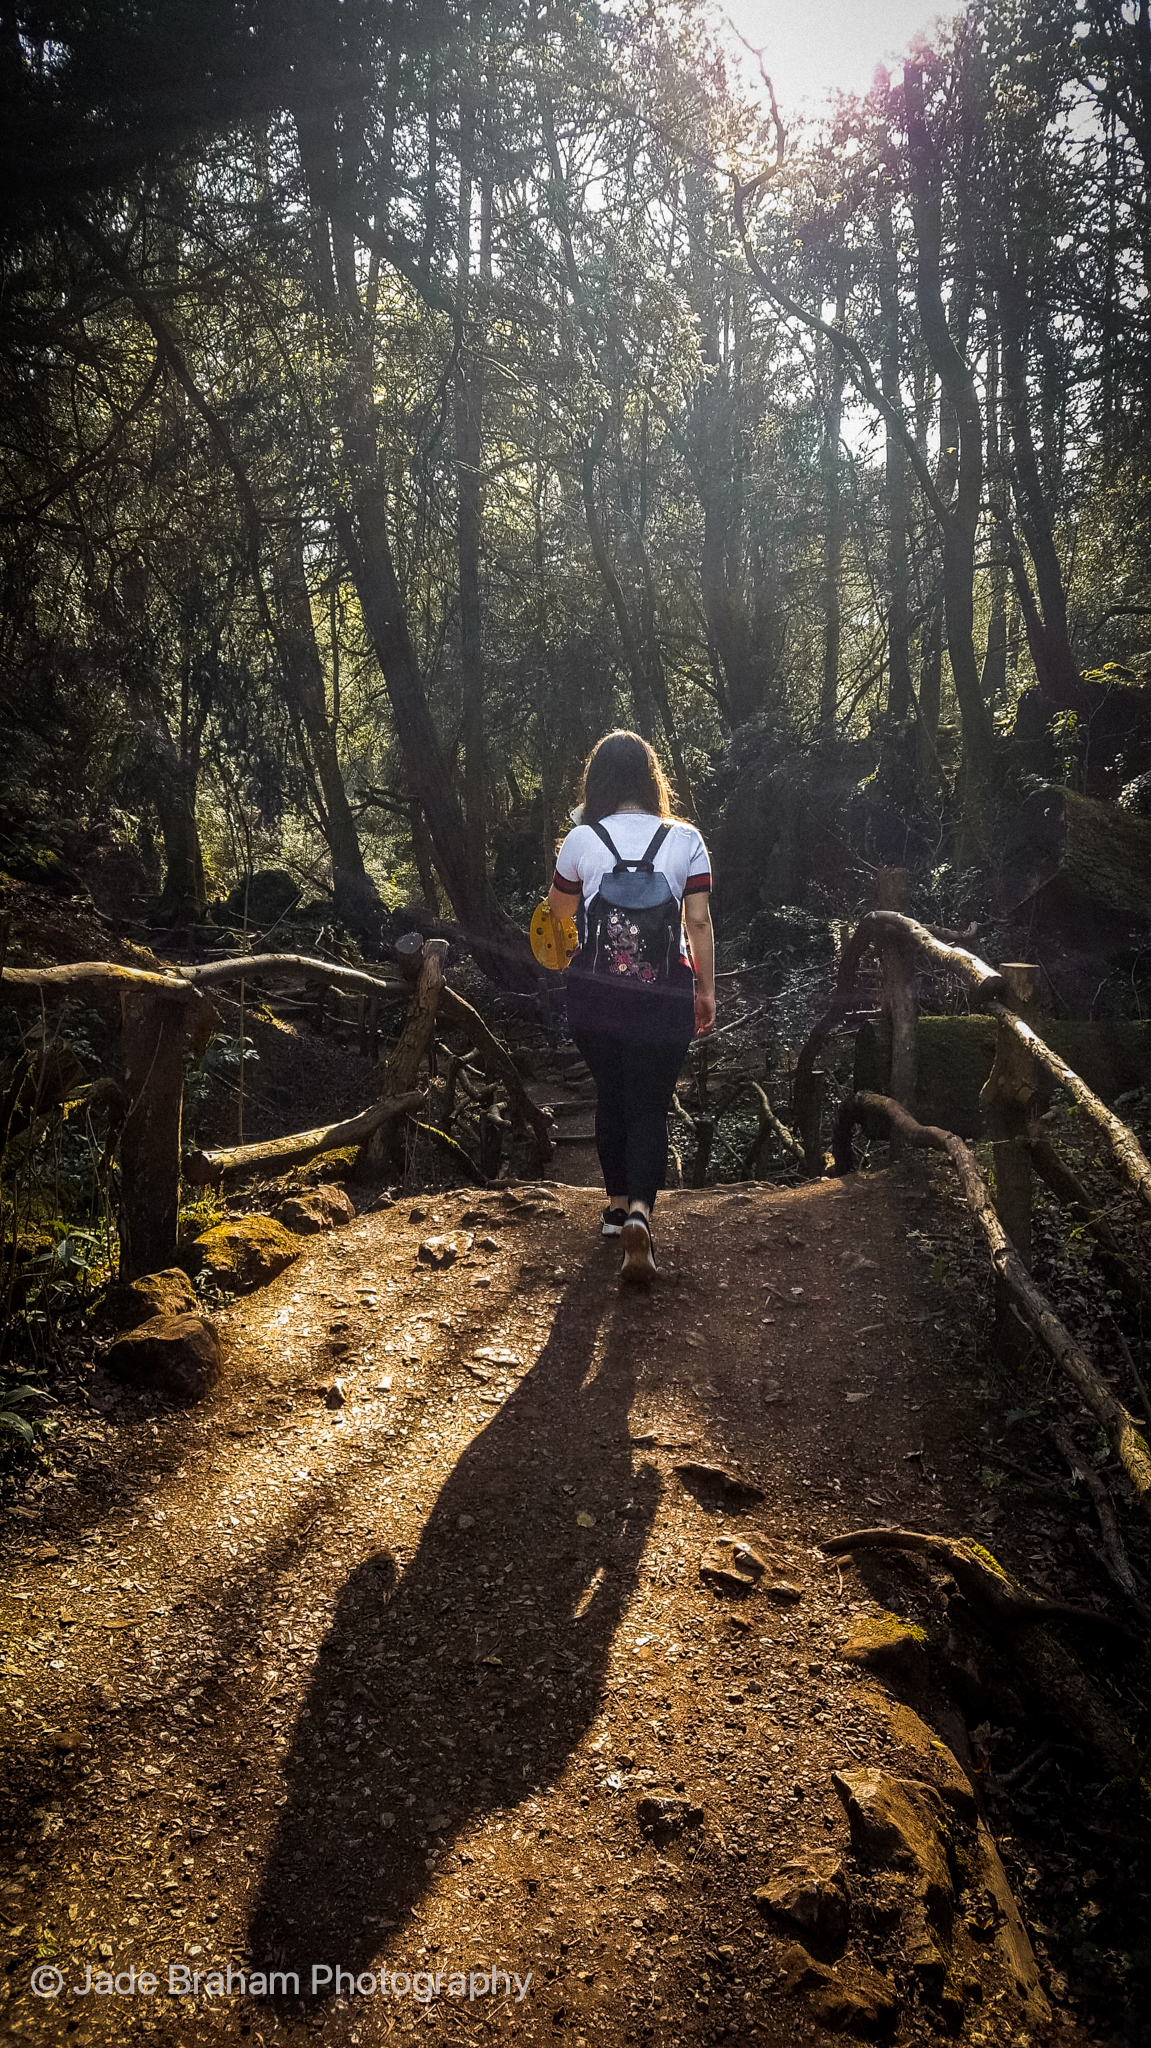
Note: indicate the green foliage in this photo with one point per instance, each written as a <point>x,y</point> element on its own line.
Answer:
<point>202,1214</point>
<point>25,1437</point>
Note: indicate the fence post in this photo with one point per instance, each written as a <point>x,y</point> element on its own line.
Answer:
<point>384,1149</point>
<point>897,982</point>
<point>154,1036</point>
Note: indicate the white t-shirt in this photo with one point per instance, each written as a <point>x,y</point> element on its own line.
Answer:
<point>583,859</point>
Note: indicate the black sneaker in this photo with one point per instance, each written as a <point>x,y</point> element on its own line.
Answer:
<point>612,1222</point>
<point>638,1256</point>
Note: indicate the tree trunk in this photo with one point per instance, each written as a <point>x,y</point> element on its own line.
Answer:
<point>469,447</point>
<point>184,896</point>
<point>994,679</point>
<point>961,521</point>
<point>361,521</point>
<point>1056,668</point>
<point>384,1147</point>
<point>930,687</point>
<point>899,690</point>
<point>642,709</point>
<point>302,672</point>
<point>153,1037</point>
<point>833,523</point>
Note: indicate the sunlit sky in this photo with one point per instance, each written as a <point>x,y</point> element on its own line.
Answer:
<point>812,47</point>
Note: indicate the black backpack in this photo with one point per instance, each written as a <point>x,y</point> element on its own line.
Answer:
<point>630,931</point>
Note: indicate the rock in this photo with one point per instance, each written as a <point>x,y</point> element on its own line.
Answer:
<point>885,1645</point>
<point>733,1564</point>
<point>713,1483</point>
<point>261,899</point>
<point>418,1214</point>
<point>243,1254</point>
<point>898,1824</point>
<point>934,1760</point>
<point>810,1893</point>
<point>169,1293</point>
<point>322,1208</point>
<point>442,1252</point>
<point>800,1972</point>
<point>177,1356</point>
<point>335,1395</point>
<point>854,2000</point>
<point>784,1593</point>
<point>664,1814</point>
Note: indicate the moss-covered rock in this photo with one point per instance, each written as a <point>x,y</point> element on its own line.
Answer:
<point>883,1643</point>
<point>321,1208</point>
<point>169,1293</point>
<point>242,1254</point>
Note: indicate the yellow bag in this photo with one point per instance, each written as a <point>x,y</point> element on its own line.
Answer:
<point>554,939</point>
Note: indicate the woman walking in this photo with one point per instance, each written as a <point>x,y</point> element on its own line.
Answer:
<point>636,995</point>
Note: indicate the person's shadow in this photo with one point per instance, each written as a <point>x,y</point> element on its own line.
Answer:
<point>464,1684</point>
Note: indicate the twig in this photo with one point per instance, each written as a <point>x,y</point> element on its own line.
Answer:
<point>748,1017</point>
<point>1119,1562</point>
<point>1012,1777</point>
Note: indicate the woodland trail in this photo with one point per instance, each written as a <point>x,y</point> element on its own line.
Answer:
<point>380,1685</point>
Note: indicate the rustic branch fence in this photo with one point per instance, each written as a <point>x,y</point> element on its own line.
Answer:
<point>1008,1102</point>
<point>164,1017</point>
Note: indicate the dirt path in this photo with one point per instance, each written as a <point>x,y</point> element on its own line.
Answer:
<point>380,1686</point>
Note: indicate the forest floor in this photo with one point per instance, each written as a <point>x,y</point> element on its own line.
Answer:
<point>382,1685</point>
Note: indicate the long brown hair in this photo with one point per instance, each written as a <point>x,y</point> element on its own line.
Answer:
<point>623,769</point>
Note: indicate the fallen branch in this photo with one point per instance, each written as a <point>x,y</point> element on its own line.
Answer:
<point>956,959</point>
<point>202,1169</point>
<point>30,981</point>
<point>254,965</point>
<point>1123,1433</point>
<point>444,1142</point>
<point>1046,1750</point>
<point>1136,1375</point>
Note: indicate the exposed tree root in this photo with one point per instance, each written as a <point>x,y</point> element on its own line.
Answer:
<point>999,1602</point>
<point>1009,1614</point>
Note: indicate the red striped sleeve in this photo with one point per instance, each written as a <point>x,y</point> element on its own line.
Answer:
<point>567,888</point>
<point>696,883</point>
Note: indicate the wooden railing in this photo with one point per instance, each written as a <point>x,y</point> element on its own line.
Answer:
<point>1008,1101</point>
<point>166,1016</point>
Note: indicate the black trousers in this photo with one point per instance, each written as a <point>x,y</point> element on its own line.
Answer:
<point>635,1081</point>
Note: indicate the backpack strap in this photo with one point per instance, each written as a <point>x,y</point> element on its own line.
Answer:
<point>602,832</point>
<point>656,842</point>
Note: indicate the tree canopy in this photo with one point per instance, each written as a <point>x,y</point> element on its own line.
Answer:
<point>396,397</point>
